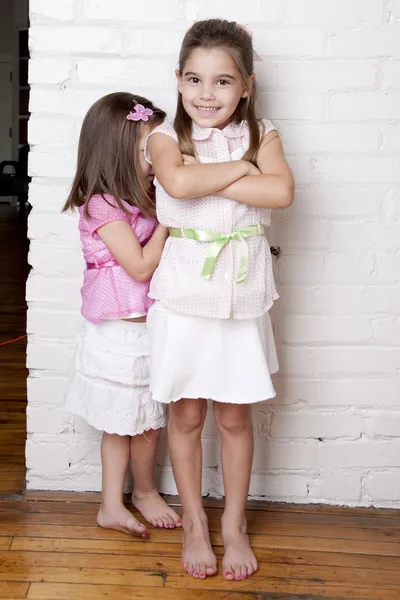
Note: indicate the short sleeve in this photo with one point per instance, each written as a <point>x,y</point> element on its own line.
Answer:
<point>167,129</point>
<point>266,127</point>
<point>102,211</point>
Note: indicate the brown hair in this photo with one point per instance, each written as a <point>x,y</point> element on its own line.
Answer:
<point>219,33</point>
<point>108,158</point>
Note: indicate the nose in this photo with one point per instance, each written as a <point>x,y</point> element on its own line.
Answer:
<point>207,92</point>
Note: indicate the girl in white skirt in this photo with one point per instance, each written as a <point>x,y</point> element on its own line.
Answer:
<point>122,245</point>
<point>219,172</point>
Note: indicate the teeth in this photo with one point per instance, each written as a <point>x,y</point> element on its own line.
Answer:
<point>206,109</point>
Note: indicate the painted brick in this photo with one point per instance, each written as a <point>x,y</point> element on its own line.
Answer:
<point>86,40</point>
<point>390,137</point>
<point>345,361</point>
<point>46,391</point>
<point>341,12</point>
<point>340,487</point>
<point>276,455</point>
<point>360,453</point>
<point>385,424</point>
<point>328,137</point>
<point>289,42</point>
<point>315,425</point>
<point>365,106</point>
<point>278,487</point>
<point>63,11</point>
<point>49,324</point>
<point>343,300</point>
<point>166,11</point>
<point>327,330</point>
<point>49,70</point>
<point>292,106</point>
<point>248,13</point>
<point>56,421</point>
<point>364,43</point>
<point>340,202</point>
<point>324,76</point>
<point>372,393</point>
<point>47,197</point>
<point>123,72</point>
<point>384,486</point>
<point>56,292</point>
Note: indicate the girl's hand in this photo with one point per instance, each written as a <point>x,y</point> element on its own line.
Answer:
<point>189,160</point>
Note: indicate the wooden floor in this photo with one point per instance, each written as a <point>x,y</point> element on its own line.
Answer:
<point>51,548</point>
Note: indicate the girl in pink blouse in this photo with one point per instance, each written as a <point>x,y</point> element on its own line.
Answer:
<point>122,245</point>
<point>219,172</point>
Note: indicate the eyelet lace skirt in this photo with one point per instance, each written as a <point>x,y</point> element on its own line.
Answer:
<point>109,380</point>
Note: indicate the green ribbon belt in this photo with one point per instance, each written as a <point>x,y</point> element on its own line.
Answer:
<point>219,241</point>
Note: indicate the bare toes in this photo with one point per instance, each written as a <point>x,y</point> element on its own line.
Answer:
<point>229,574</point>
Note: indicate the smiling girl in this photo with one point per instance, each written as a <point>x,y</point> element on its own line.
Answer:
<point>219,172</point>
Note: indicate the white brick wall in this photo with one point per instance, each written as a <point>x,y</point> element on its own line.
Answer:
<point>331,81</point>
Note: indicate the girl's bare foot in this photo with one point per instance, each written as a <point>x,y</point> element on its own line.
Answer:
<point>121,519</point>
<point>239,561</point>
<point>198,558</point>
<point>155,510</point>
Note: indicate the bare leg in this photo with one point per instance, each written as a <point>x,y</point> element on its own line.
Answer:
<point>236,429</point>
<point>113,514</point>
<point>186,420</point>
<point>145,496</point>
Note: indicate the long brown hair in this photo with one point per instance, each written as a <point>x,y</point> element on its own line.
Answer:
<point>108,158</point>
<point>219,33</point>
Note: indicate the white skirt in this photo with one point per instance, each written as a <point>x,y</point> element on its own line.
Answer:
<point>223,360</point>
<point>109,379</point>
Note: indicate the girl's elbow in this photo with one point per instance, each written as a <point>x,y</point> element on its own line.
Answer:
<point>143,276</point>
<point>287,197</point>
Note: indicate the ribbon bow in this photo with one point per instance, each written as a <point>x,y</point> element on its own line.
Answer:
<point>140,113</point>
<point>219,241</point>
<point>256,57</point>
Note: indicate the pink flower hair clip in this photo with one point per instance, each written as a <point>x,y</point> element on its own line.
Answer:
<point>256,57</point>
<point>140,113</point>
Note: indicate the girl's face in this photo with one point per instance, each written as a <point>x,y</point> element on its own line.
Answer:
<point>145,167</point>
<point>212,86</point>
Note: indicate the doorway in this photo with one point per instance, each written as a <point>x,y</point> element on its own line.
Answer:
<point>14,102</point>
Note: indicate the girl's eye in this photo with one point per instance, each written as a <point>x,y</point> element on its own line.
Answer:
<point>194,80</point>
<point>222,82</point>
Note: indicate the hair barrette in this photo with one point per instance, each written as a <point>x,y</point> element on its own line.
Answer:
<point>140,113</point>
<point>256,57</point>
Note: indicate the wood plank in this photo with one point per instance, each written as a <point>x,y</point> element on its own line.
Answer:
<point>5,543</point>
<point>290,590</point>
<point>255,517</point>
<point>87,521</point>
<point>274,554</point>
<point>15,590</point>
<point>64,567</point>
<point>159,544</point>
<point>65,591</point>
<point>267,507</point>
<point>157,536</point>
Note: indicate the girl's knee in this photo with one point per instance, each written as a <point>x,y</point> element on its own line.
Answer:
<point>234,418</point>
<point>188,415</point>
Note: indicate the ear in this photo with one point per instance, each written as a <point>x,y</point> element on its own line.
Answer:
<point>179,80</point>
<point>249,86</point>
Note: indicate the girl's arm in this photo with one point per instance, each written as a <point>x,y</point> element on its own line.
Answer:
<point>273,187</point>
<point>140,263</point>
<point>191,181</point>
